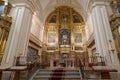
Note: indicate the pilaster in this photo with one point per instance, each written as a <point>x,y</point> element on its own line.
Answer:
<point>19,34</point>
<point>102,32</point>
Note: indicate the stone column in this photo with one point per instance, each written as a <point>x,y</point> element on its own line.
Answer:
<point>19,34</point>
<point>102,32</point>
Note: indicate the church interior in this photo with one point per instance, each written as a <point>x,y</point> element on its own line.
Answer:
<point>59,39</point>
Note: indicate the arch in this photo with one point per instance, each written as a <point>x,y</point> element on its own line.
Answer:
<point>51,8</point>
<point>76,17</point>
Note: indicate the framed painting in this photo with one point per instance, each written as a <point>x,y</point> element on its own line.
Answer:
<point>78,37</point>
<point>31,54</point>
<point>78,48</point>
<point>51,48</point>
<point>65,37</point>
<point>51,37</point>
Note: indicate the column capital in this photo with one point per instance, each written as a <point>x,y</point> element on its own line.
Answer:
<point>26,3</point>
<point>93,3</point>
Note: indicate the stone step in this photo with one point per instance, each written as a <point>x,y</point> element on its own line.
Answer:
<point>44,73</point>
<point>41,77</point>
<point>45,70</point>
<point>47,77</point>
<point>48,74</point>
<point>72,76</point>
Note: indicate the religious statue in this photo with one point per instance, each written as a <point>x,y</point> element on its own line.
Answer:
<point>114,6</point>
<point>64,18</point>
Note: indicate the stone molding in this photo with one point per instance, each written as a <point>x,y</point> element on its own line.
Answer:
<point>35,40</point>
<point>92,3</point>
<point>27,3</point>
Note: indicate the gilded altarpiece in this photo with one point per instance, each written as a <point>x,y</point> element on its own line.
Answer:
<point>64,34</point>
<point>5,25</point>
<point>115,25</point>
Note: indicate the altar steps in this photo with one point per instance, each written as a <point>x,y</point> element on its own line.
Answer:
<point>45,74</point>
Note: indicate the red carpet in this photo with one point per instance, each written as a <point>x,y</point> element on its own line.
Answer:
<point>57,74</point>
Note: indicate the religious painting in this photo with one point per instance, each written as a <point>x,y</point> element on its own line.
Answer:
<point>65,37</point>
<point>51,48</point>
<point>76,19</point>
<point>78,37</point>
<point>51,37</point>
<point>78,48</point>
<point>2,7</point>
<point>118,6</point>
<point>32,54</point>
<point>53,19</point>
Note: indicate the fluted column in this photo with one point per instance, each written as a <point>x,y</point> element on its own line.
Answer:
<point>19,35</point>
<point>102,32</point>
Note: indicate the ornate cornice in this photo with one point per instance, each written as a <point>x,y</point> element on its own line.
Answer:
<point>92,3</point>
<point>35,40</point>
<point>27,3</point>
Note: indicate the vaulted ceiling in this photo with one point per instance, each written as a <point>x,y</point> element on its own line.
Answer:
<point>47,6</point>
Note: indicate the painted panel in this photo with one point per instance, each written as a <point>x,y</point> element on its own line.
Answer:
<point>32,54</point>
<point>51,48</point>
<point>118,6</point>
<point>51,37</point>
<point>78,37</point>
<point>78,48</point>
<point>65,38</point>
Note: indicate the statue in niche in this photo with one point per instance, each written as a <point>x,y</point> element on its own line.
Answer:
<point>53,19</point>
<point>65,37</point>
<point>115,7</point>
<point>64,18</point>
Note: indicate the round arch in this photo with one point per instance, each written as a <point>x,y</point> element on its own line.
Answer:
<point>51,8</point>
